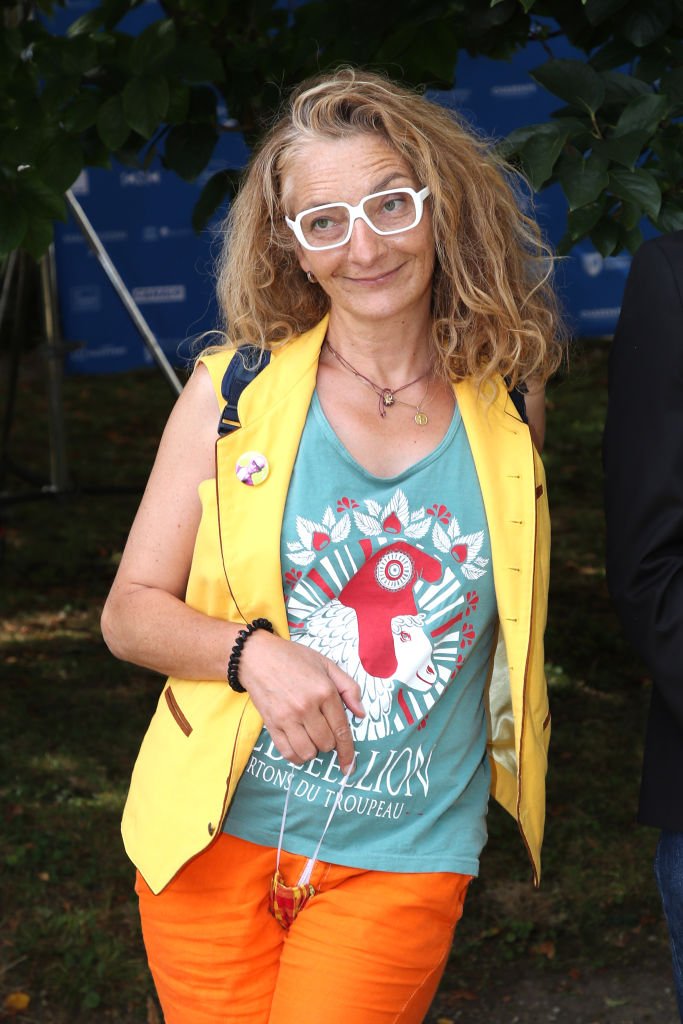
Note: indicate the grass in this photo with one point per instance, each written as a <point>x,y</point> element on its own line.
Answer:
<point>73,719</point>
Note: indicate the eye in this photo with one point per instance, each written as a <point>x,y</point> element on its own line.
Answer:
<point>321,223</point>
<point>394,571</point>
<point>393,204</point>
<point>404,637</point>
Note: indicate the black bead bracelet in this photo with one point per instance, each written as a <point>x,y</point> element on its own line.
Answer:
<point>236,652</point>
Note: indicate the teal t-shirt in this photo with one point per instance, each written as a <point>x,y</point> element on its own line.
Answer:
<point>390,578</point>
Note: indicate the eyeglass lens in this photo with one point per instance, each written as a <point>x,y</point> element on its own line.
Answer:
<point>387,213</point>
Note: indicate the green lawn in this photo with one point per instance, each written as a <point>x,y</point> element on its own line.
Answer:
<point>73,718</point>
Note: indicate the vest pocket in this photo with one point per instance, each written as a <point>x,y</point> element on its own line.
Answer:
<point>176,711</point>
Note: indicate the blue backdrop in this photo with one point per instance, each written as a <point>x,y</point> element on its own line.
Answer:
<point>144,220</point>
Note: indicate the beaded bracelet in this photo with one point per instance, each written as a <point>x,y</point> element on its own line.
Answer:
<point>236,652</point>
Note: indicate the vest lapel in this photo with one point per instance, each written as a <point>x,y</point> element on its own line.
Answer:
<point>503,455</point>
<point>272,412</point>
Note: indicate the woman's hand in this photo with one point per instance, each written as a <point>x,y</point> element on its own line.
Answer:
<point>300,694</point>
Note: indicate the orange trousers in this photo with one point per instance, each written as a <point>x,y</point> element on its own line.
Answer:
<point>369,948</point>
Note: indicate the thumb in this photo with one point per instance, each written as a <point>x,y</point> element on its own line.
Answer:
<point>349,691</point>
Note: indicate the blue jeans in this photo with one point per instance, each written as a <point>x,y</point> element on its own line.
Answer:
<point>669,875</point>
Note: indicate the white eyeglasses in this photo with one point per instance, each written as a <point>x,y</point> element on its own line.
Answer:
<point>387,213</point>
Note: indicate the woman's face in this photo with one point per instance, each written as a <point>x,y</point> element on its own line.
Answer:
<point>372,277</point>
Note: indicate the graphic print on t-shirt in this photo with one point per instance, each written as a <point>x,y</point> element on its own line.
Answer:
<point>391,579</point>
<point>389,613</point>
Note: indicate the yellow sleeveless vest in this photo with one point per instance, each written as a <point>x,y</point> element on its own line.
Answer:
<point>202,733</point>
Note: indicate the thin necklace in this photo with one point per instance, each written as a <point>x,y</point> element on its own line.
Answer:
<point>386,395</point>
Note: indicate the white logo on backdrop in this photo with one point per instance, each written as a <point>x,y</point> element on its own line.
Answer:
<point>157,293</point>
<point>85,298</point>
<point>514,91</point>
<point>139,178</point>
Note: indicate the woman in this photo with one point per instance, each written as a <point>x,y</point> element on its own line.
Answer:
<point>305,831</point>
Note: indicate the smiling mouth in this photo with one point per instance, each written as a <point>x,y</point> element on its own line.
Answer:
<point>426,683</point>
<point>377,278</point>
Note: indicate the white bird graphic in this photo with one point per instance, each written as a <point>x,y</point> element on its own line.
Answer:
<point>333,630</point>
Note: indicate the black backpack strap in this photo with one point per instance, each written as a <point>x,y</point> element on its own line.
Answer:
<point>246,364</point>
<point>518,400</point>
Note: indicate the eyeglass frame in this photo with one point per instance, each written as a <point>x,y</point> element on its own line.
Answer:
<point>358,213</point>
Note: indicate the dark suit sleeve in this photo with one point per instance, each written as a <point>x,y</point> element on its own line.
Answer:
<point>643,455</point>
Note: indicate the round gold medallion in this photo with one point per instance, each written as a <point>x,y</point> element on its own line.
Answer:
<point>421,418</point>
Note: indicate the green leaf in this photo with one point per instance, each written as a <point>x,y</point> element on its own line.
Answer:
<point>667,145</point>
<point>651,65</point>
<point>202,104</point>
<point>58,91</point>
<point>86,24</point>
<point>178,103</point>
<point>38,199</point>
<point>152,47</point>
<point>79,55</point>
<point>582,180</point>
<point>145,102</point>
<point>598,11</point>
<point>112,126</point>
<point>620,88</point>
<point>540,152</point>
<point>642,114</point>
<point>196,63</point>
<point>212,195</point>
<point>637,186</point>
<point>11,45</point>
<point>573,81</point>
<point>672,86</point>
<point>614,54</point>
<point>578,131</point>
<point>13,223</point>
<point>670,217</point>
<point>629,215</point>
<point>648,23</point>
<point>189,148</point>
<point>61,164</point>
<point>38,237</point>
<point>515,141</point>
<point>81,112</point>
<point>584,219</point>
<point>23,144</point>
<point>631,239</point>
<point>605,237</point>
<point>624,150</point>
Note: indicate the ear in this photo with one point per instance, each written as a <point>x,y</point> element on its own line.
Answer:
<point>302,257</point>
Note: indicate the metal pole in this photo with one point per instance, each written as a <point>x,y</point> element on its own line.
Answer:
<point>119,287</point>
<point>59,477</point>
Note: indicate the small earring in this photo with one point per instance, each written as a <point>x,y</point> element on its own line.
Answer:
<point>311,277</point>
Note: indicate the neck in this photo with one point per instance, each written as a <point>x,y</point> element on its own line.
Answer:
<point>390,353</point>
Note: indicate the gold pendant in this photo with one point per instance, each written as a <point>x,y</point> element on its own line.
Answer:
<point>421,418</point>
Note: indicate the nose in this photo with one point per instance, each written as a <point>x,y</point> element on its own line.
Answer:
<point>364,243</point>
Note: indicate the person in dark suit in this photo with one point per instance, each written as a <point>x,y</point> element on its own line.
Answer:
<point>643,455</point>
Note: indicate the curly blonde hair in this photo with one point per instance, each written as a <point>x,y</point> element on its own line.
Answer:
<point>493,307</point>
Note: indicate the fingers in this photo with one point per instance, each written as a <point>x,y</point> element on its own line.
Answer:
<point>322,731</point>
<point>348,689</point>
<point>346,752</point>
<point>295,745</point>
<point>301,696</point>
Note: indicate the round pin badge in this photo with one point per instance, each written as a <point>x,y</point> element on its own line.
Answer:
<point>252,468</point>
